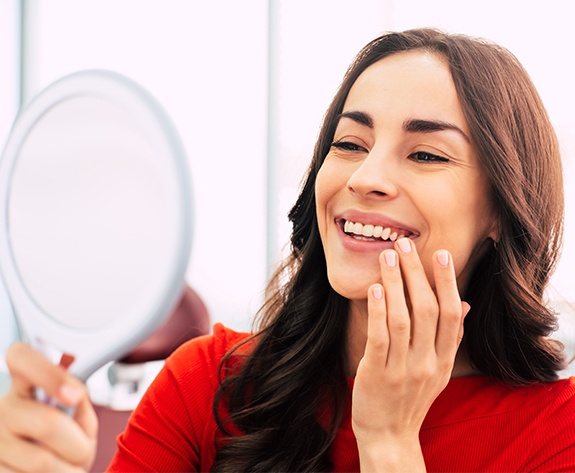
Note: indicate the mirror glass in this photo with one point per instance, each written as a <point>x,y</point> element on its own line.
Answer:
<point>74,205</point>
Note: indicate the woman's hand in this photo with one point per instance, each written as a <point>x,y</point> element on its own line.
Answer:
<point>38,437</point>
<point>412,338</point>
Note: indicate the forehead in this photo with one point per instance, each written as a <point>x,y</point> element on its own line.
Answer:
<point>413,84</point>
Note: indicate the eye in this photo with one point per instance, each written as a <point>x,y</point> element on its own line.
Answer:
<point>347,146</point>
<point>423,157</point>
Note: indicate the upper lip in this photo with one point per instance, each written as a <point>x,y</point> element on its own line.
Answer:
<point>376,220</point>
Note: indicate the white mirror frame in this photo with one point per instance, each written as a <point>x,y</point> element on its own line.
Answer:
<point>96,346</point>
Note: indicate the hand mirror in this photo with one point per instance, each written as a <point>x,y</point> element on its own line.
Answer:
<point>95,218</point>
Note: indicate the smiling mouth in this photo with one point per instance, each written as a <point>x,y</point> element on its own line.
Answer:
<point>369,232</point>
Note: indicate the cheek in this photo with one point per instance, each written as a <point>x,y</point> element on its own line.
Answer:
<point>468,249</point>
<point>459,220</point>
<point>327,184</point>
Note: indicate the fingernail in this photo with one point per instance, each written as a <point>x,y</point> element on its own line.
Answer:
<point>404,245</point>
<point>377,292</point>
<point>390,258</point>
<point>71,394</point>
<point>443,258</point>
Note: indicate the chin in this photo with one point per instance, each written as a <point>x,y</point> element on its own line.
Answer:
<point>351,288</point>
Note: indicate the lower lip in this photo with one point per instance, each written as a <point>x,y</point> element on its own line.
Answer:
<point>363,246</point>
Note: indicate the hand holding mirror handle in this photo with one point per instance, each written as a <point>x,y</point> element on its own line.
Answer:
<point>65,362</point>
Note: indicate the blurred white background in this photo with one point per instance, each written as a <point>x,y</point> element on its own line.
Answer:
<point>246,84</point>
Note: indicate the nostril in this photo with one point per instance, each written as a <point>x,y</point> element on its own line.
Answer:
<point>378,193</point>
<point>369,186</point>
<point>373,193</point>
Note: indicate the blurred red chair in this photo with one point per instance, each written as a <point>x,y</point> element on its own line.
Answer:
<point>189,319</point>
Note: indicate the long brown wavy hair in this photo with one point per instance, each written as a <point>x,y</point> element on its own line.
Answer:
<point>279,395</point>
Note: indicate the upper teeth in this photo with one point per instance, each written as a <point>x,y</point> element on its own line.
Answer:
<point>369,230</point>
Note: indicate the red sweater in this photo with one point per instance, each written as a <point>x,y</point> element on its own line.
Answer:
<point>474,425</point>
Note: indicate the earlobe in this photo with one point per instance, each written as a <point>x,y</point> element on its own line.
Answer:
<point>494,233</point>
<point>494,236</point>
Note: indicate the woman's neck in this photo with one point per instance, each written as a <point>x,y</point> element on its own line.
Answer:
<point>357,338</point>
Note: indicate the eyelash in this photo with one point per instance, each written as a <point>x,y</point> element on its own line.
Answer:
<point>423,157</point>
<point>347,146</point>
<point>419,156</point>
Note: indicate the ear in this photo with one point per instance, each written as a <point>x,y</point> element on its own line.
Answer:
<point>493,232</point>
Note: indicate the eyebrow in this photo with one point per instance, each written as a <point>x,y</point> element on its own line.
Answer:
<point>360,117</point>
<point>414,125</point>
<point>430,126</point>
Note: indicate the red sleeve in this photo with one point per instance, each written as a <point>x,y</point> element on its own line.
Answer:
<point>173,429</point>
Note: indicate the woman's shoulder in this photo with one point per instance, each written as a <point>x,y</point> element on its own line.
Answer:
<point>492,426</point>
<point>544,396</point>
<point>558,401</point>
<point>222,338</point>
<point>206,352</point>
<point>482,397</point>
<point>209,348</point>
<point>562,392</point>
<point>174,424</point>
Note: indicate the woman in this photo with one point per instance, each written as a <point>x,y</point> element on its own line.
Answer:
<point>436,179</point>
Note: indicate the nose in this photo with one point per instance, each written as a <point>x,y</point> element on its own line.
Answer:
<point>376,177</point>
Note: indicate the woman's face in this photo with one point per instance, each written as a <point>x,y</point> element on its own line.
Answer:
<point>401,164</point>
